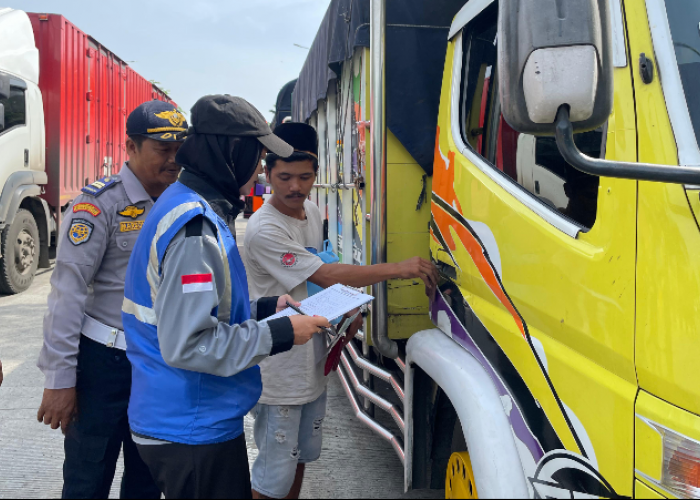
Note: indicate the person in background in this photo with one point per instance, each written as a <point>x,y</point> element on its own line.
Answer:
<point>192,335</point>
<point>283,240</point>
<point>87,374</point>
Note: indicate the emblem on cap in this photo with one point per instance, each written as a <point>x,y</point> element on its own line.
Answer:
<point>80,231</point>
<point>132,211</point>
<point>175,118</point>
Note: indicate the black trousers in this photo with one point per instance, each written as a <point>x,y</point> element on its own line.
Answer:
<point>197,472</point>
<point>94,440</point>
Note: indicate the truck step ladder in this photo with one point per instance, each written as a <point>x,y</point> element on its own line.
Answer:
<point>354,389</point>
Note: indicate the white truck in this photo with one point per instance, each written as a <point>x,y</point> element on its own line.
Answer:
<point>64,99</point>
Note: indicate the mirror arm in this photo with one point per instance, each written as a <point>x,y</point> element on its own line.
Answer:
<point>617,169</point>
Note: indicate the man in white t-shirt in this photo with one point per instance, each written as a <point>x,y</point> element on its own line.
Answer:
<point>281,243</point>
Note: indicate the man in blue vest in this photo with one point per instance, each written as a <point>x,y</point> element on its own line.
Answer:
<point>187,315</point>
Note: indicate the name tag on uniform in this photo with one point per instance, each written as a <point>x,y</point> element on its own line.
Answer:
<point>196,283</point>
<point>128,227</point>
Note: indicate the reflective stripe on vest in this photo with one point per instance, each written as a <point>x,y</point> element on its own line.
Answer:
<point>141,313</point>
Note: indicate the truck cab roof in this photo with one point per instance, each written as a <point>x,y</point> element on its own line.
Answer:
<point>18,53</point>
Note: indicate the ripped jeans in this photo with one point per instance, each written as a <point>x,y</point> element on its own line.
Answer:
<point>286,436</point>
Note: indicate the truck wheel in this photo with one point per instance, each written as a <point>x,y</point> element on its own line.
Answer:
<point>459,481</point>
<point>20,253</point>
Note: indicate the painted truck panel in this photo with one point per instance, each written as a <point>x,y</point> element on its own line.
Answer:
<point>348,162</point>
<point>88,93</point>
<point>668,288</point>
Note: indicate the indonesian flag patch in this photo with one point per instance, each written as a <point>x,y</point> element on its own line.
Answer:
<point>197,283</point>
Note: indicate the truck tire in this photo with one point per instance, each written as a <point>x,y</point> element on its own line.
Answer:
<point>20,253</point>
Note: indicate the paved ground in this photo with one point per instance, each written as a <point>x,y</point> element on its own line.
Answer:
<point>355,463</point>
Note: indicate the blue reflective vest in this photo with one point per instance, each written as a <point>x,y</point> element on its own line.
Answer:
<point>168,403</point>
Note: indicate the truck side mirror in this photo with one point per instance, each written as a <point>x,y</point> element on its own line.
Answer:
<point>2,117</point>
<point>556,78</point>
<point>554,53</point>
<point>4,86</point>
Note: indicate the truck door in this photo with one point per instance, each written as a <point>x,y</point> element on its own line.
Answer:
<point>540,281</point>
<point>15,139</point>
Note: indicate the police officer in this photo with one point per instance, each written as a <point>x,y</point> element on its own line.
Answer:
<point>88,377</point>
<point>193,340</point>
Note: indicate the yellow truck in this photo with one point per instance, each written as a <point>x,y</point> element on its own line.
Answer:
<point>561,204</point>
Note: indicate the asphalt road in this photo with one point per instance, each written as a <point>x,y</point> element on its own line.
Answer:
<point>355,463</point>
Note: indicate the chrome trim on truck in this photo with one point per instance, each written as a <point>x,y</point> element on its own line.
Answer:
<point>378,134</point>
<point>356,392</point>
<point>365,419</point>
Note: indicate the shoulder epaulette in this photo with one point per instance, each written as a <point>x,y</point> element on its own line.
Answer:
<point>97,188</point>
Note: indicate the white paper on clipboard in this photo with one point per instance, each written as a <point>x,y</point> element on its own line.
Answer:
<point>331,303</point>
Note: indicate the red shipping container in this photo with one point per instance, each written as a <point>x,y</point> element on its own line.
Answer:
<point>88,93</point>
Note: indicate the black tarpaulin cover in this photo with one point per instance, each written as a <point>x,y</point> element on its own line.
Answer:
<point>283,107</point>
<point>416,43</point>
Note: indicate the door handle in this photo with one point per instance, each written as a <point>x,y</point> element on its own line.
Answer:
<point>26,157</point>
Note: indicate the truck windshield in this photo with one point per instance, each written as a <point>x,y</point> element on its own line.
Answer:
<point>684,18</point>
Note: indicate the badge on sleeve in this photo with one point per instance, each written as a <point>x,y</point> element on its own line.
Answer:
<point>197,283</point>
<point>80,231</point>
<point>87,207</point>
<point>288,260</point>
<point>132,211</point>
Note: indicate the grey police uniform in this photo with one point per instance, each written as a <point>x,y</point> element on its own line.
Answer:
<point>87,291</point>
<point>84,346</point>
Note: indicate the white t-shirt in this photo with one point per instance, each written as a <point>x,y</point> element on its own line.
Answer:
<point>277,263</point>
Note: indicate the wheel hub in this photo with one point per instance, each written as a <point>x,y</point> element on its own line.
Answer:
<point>25,252</point>
<point>459,482</point>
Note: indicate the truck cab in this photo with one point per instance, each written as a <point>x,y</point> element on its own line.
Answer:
<point>576,293</point>
<point>25,222</point>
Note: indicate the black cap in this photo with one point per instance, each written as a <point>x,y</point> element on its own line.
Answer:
<point>227,115</point>
<point>157,120</point>
<point>300,136</point>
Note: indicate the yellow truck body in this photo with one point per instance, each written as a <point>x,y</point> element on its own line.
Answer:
<point>575,298</point>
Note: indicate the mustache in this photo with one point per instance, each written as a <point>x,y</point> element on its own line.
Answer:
<point>296,195</point>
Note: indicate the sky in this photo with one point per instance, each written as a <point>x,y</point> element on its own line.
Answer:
<point>199,47</point>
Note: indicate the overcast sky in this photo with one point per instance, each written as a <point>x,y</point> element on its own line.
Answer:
<point>199,47</point>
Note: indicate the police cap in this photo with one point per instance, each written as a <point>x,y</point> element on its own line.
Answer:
<point>157,120</point>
